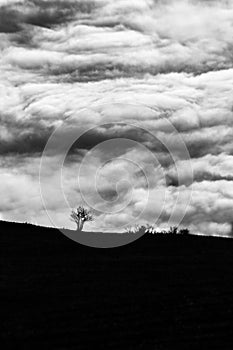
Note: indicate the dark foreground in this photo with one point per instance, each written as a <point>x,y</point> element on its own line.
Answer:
<point>155,293</point>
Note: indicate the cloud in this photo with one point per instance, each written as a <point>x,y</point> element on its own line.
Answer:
<point>42,13</point>
<point>92,63</point>
<point>95,40</point>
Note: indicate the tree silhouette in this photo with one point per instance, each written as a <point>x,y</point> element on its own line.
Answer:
<point>80,216</point>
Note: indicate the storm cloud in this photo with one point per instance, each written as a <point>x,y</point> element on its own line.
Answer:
<point>93,63</point>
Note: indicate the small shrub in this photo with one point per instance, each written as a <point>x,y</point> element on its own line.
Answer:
<point>135,228</point>
<point>173,230</point>
<point>151,229</point>
<point>184,231</point>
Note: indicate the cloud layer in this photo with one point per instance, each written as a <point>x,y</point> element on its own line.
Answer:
<point>68,61</point>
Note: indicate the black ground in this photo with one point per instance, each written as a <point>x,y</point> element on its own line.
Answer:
<point>155,293</point>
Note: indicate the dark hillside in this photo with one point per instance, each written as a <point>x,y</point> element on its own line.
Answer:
<point>155,293</point>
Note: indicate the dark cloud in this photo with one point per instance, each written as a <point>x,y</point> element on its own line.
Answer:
<point>94,72</point>
<point>26,139</point>
<point>172,180</point>
<point>49,13</point>
<point>108,195</point>
<point>95,136</point>
<point>9,20</point>
<point>41,13</point>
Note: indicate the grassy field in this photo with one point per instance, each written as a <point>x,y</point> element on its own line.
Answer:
<point>155,293</point>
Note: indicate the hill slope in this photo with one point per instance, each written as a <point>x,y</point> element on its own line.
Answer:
<point>158,293</point>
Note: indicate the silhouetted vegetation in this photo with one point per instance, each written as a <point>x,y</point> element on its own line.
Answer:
<point>172,231</point>
<point>80,216</point>
<point>184,231</point>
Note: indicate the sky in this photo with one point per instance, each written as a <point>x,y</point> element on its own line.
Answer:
<point>146,84</point>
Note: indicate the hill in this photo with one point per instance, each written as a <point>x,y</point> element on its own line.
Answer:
<point>155,293</point>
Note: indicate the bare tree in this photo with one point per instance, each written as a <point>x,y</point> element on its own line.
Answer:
<point>80,216</point>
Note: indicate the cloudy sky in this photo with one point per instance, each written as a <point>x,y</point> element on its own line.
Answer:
<point>115,66</point>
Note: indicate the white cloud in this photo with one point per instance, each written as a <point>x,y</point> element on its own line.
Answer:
<point>173,57</point>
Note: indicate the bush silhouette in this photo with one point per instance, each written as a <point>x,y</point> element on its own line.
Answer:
<point>135,229</point>
<point>172,231</point>
<point>184,231</point>
<point>80,216</point>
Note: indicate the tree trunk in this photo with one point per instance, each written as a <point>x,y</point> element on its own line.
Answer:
<point>80,225</point>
